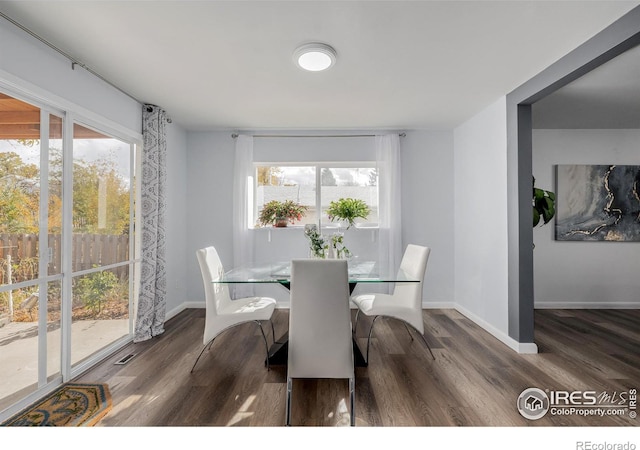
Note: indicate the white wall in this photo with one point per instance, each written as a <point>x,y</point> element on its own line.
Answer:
<point>583,274</point>
<point>480,219</point>
<point>209,203</point>
<point>427,218</point>
<point>427,211</point>
<point>48,75</point>
<point>176,220</point>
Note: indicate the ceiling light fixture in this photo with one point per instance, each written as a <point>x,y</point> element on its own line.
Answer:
<point>314,57</point>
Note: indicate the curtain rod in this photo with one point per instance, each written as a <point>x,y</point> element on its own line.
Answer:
<point>235,135</point>
<point>74,61</point>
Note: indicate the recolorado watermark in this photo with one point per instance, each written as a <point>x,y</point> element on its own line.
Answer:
<point>589,445</point>
<point>534,403</point>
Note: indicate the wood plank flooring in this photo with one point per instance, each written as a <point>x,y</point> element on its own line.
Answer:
<point>474,381</point>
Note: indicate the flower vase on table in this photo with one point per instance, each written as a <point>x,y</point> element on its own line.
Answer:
<point>318,248</point>
<point>338,249</point>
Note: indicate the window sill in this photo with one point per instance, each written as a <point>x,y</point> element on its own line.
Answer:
<point>363,226</point>
<point>288,227</point>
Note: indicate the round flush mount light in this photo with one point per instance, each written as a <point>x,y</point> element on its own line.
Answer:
<point>314,57</point>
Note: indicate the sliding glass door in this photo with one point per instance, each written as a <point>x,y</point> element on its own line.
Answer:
<point>30,199</point>
<point>66,255</point>
<point>101,241</point>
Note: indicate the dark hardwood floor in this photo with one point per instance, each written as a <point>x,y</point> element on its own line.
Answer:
<point>474,381</point>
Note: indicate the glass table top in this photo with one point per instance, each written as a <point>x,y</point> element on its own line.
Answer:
<point>280,272</point>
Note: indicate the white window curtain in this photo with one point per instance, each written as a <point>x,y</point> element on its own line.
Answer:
<point>151,306</point>
<point>242,193</point>
<point>389,202</point>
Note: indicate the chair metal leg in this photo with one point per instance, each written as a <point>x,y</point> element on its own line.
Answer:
<point>406,324</point>
<point>373,322</point>
<point>423,339</point>
<point>264,336</point>
<point>407,328</point>
<point>352,392</point>
<point>273,331</point>
<point>288,404</point>
<point>266,345</point>
<point>203,349</point>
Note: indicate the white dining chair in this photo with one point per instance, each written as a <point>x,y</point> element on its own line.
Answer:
<point>222,312</point>
<point>320,340</point>
<point>405,303</point>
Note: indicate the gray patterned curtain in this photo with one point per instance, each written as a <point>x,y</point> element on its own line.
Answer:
<point>153,284</point>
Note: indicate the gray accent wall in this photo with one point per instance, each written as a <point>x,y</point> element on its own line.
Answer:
<point>615,39</point>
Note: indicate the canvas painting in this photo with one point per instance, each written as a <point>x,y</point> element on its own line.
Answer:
<point>598,203</point>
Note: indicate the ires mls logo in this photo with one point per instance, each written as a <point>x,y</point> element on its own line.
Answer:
<point>533,403</point>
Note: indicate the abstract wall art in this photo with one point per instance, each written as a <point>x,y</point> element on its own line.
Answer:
<point>598,203</point>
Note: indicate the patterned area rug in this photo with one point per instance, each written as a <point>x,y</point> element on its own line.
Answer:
<point>72,405</point>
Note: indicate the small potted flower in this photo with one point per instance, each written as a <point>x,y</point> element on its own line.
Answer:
<point>279,214</point>
<point>348,209</point>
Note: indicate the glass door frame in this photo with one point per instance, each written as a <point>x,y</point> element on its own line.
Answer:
<point>70,371</point>
<point>43,280</point>
<point>71,114</point>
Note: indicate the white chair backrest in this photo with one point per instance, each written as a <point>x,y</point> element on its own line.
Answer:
<point>320,343</point>
<point>216,294</point>
<point>414,264</point>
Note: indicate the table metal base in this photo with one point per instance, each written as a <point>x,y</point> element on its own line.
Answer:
<point>279,352</point>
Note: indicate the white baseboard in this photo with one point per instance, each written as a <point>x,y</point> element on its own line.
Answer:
<point>502,337</point>
<point>587,305</point>
<point>186,305</point>
<point>438,305</point>
<point>520,347</point>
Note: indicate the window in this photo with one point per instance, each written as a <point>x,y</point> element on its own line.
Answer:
<point>316,186</point>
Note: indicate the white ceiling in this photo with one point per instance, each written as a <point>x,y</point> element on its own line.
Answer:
<point>401,64</point>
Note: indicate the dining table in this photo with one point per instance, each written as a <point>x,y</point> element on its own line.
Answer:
<point>279,272</point>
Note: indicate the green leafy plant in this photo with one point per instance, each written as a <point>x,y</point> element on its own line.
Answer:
<point>348,209</point>
<point>93,289</point>
<point>544,205</point>
<point>317,244</point>
<point>278,213</point>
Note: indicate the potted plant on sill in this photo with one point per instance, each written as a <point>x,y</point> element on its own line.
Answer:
<point>348,209</point>
<point>280,214</point>
<point>345,210</point>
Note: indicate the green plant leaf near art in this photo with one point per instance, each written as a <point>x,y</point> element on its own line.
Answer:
<point>348,209</point>
<point>544,205</point>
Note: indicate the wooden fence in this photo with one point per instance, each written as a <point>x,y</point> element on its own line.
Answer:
<point>88,251</point>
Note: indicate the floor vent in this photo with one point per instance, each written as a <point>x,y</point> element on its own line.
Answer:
<point>125,359</point>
